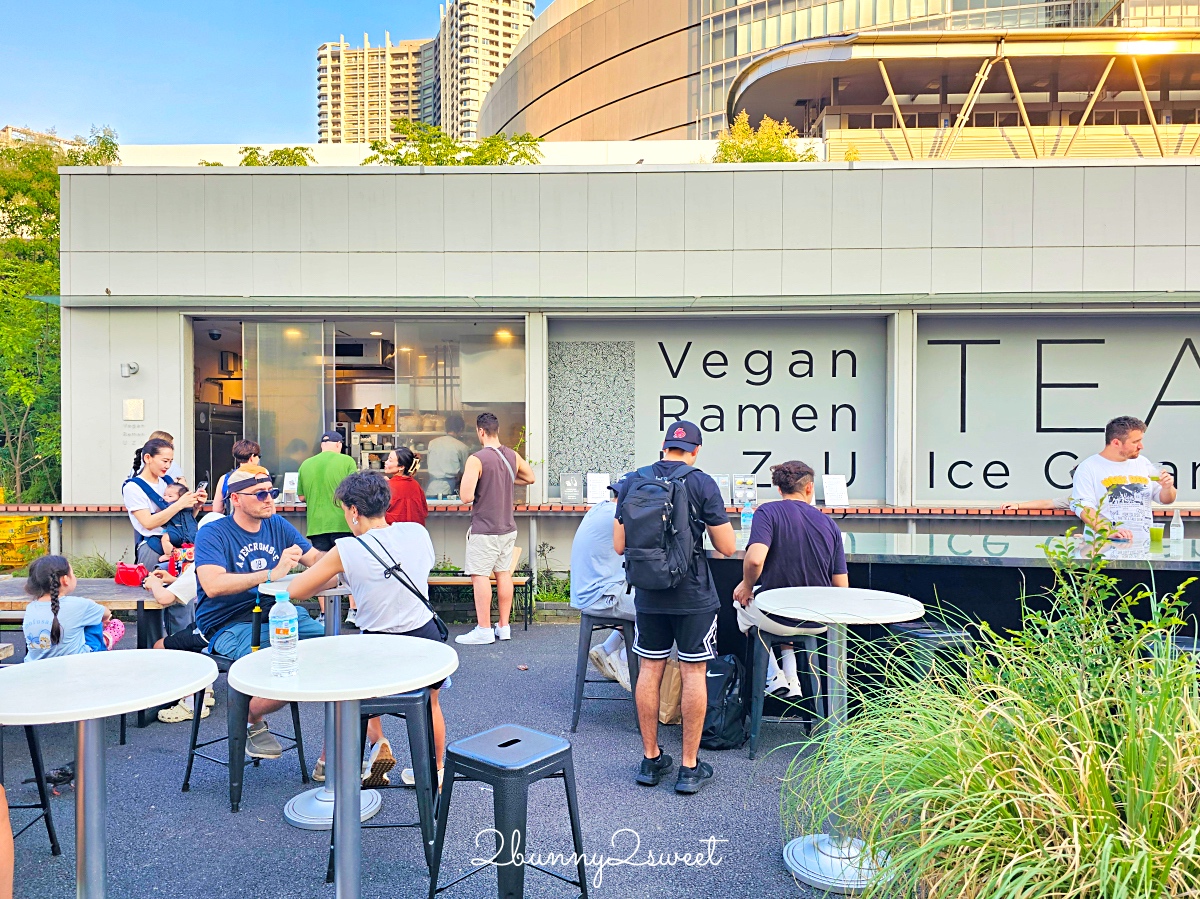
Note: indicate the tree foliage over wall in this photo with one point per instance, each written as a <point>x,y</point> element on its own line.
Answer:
<point>772,141</point>
<point>30,439</point>
<point>422,144</point>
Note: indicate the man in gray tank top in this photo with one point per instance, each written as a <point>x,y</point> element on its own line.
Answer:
<point>487,484</point>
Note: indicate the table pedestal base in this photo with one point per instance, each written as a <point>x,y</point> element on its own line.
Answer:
<point>313,809</point>
<point>91,811</point>
<point>831,864</point>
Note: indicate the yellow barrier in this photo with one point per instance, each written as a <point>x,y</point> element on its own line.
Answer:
<point>22,538</point>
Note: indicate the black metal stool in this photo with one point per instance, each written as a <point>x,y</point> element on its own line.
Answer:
<point>39,776</point>
<point>762,643</point>
<point>237,714</point>
<point>417,711</point>
<point>510,758</point>
<point>925,639</point>
<point>588,625</point>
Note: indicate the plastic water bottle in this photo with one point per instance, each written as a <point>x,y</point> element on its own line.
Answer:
<point>1176,534</point>
<point>284,637</point>
<point>747,516</point>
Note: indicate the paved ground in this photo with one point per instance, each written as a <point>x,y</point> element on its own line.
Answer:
<point>189,845</point>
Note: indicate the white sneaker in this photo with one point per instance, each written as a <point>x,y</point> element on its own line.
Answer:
<point>477,636</point>
<point>600,659</point>
<point>409,779</point>
<point>621,668</point>
<point>794,691</point>
<point>503,633</point>
<point>778,685</point>
<point>352,617</point>
<point>378,764</point>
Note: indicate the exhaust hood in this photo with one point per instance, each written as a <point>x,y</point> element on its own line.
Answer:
<point>364,353</point>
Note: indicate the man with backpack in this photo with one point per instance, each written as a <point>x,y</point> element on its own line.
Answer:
<point>663,511</point>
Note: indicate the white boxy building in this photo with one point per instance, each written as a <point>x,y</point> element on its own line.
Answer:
<point>946,334</point>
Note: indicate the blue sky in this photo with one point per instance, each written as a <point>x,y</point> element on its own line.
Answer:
<point>160,71</point>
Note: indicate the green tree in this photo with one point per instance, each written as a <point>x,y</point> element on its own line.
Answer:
<point>284,156</point>
<point>424,144</point>
<point>772,141</point>
<point>30,439</point>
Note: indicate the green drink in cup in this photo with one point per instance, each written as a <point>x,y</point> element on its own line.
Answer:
<point>1156,536</point>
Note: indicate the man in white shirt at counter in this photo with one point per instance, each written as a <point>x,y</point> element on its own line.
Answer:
<point>446,458</point>
<point>598,585</point>
<point>1117,485</point>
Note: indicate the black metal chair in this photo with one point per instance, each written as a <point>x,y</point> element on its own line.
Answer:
<point>39,775</point>
<point>510,758</point>
<point>417,711</point>
<point>237,714</point>
<point>588,625</point>
<point>762,643</point>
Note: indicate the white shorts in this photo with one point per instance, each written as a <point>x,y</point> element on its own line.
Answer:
<point>751,617</point>
<point>489,553</point>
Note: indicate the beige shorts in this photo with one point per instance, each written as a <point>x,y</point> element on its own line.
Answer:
<point>488,553</point>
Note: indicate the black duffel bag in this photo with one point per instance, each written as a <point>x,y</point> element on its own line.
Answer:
<point>725,717</point>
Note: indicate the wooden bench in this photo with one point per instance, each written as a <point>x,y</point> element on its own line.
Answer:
<point>522,587</point>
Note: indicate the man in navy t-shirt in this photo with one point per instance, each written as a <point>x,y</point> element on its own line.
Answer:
<point>233,557</point>
<point>792,544</point>
<point>685,615</point>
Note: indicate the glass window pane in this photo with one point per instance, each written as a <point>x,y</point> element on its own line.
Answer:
<point>287,387</point>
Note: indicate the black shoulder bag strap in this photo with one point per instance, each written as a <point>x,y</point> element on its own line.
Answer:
<point>395,570</point>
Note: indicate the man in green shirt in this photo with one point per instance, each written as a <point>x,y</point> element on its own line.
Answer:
<point>320,476</point>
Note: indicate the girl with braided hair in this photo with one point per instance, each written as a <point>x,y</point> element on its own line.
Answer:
<point>59,624</point>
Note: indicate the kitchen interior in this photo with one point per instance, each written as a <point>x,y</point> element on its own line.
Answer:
<point>404,384</point>
<point>394,383</point>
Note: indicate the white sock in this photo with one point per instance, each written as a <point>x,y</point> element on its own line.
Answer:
<point>789,662</point>
<point>187,702</point>
<point>624,655</point>
<point>613,643</point>
<point>772,666</point>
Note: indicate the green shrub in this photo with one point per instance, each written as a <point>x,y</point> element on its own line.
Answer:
<point>1062,762</point>
<point>92,565</point>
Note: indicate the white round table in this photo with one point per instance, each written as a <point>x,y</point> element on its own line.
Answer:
<point>86,689</point>
<point>829,861</point>
<point>313,809</point>
<point>343,671</point>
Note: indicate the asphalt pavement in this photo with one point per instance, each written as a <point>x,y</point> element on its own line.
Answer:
<point>723,842</point>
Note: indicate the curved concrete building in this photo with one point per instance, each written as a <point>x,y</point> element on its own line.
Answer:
<point>637,69</point>
<point>602,70</point>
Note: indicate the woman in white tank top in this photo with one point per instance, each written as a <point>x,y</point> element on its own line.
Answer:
<point>385,604</point>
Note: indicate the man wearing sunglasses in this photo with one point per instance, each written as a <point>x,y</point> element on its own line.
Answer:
<point>234,556</point>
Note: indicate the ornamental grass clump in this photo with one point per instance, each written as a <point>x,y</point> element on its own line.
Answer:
<point>1062,762</point>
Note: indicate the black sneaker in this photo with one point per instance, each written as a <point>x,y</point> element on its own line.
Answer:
<point>692,779</point>
<point>652,770</point>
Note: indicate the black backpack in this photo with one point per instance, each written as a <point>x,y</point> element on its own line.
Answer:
<point>725,717</point>
<point>659,544</point>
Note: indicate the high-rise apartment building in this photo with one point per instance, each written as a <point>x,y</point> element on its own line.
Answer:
<point>476,40</point>
<point>431,82</point>
<point>361,90</point>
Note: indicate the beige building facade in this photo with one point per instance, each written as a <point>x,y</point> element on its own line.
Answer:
<point>361,90</point>
<point>475,42</point>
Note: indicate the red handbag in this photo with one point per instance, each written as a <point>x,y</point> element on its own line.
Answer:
<point>130,575</point>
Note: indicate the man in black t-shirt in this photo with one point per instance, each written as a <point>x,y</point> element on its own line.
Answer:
<point>685,616</point>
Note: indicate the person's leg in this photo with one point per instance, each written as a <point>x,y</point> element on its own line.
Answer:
<point>439,729</point>
<point>374,733</point>
<point>260,707</point>
<point>649,681</point>
<point>504,596</point>
<point>614,642</point>
<point>696,639</point>
<point>481,585</point>
<point>693,707</point>
<point>6,849</point>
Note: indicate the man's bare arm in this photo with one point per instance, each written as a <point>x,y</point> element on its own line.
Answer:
<point>470,480</point>
<point>525,473</point>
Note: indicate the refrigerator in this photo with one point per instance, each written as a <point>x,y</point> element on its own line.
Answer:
<point>218,428</point>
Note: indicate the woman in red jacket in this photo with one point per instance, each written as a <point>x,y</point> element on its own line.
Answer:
<point>408,498</point>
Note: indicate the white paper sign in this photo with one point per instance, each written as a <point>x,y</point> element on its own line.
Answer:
<point>597,486</point>
<point>834,488</point>
<point>291,481</point>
